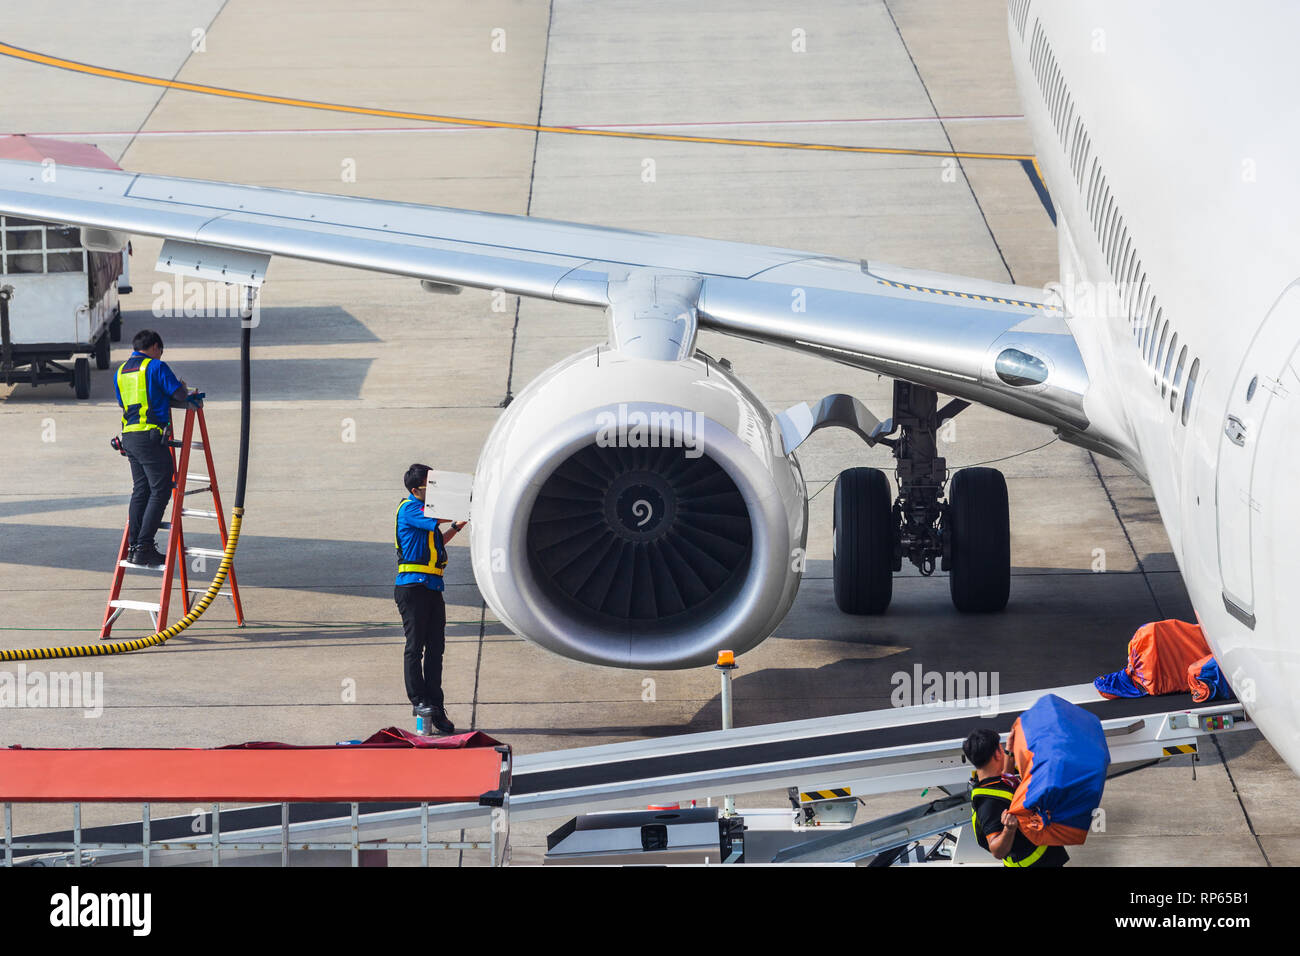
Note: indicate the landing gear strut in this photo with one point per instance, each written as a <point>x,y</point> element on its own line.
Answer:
<point>968,535</point>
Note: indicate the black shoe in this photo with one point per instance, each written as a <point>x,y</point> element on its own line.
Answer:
<point>148,556</point>
<point>441,722</point>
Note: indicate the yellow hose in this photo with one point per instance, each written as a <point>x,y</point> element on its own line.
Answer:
<point>159,637</point>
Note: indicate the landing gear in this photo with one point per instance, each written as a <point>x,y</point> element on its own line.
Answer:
<point>865,533</point>
<point>968,535</point>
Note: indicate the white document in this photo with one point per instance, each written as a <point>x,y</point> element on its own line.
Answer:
<point>448,496</point>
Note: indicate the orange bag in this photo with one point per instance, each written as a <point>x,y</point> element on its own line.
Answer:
<point>1159,655</point>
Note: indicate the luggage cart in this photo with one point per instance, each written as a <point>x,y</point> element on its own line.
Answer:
<point>58,290</point>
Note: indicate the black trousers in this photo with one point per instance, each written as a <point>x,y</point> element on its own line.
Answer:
<point>424,618</point>
<point>151,470</point>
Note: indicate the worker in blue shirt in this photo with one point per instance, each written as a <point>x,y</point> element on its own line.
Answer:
<point>147,390</point>
<point>421,560</point>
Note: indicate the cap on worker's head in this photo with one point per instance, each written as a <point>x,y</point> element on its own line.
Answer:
<point>415,476</point>
<point>980,746</point>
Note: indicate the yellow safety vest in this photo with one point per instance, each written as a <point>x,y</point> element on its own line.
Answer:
<point>974,822</point>
<point>134,389</point>
<point>433,567</point>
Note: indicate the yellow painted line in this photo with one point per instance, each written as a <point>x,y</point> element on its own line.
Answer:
<point>44,59</point>
<point>1180,749</point>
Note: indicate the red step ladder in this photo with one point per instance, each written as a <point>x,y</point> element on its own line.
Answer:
<point>178,554</point>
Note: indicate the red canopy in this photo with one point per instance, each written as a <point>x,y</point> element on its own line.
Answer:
<point>38,148</point>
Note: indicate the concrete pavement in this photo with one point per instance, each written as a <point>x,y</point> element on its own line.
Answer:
<point>357,375</point>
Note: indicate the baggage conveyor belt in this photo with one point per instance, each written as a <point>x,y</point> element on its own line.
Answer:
<point>878,751</point>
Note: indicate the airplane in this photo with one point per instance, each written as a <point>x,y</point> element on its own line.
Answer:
<point>636,505</point>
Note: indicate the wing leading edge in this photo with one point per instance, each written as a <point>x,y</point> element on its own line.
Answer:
<point>1001,345</point>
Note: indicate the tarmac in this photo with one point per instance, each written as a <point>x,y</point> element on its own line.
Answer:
<point>356,375</point>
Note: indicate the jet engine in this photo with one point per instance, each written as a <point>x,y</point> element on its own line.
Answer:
<point>635,512</point>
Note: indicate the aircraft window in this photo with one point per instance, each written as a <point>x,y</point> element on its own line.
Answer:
<point>1191,388</point>
<point>1157,326</point>
<point>1136,309</point>
<point>1160,349</point>
<point>1250,389</point>
<point>1130,277</point>
<point>1178,378</point>
<point>1169,360</point>
<point>1019,13</point>
<point>1150,343</point>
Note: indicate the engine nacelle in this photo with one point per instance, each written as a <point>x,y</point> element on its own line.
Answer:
<point>638,513</point>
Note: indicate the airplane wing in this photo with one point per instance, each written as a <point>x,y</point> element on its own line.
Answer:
<point>1001,345</point>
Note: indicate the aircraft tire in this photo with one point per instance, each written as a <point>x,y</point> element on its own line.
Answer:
<point>979,523</point>
<point>863,562</point>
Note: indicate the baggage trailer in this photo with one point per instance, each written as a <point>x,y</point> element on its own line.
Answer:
<point>59,288</point>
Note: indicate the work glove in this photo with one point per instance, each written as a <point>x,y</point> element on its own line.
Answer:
<point>196,398</point>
